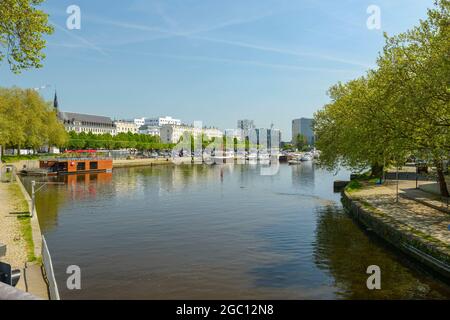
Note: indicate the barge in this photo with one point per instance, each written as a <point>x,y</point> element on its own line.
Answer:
<point>75,162</point>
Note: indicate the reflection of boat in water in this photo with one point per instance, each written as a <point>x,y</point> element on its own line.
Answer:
<point>222,157</point>
<point>295,161</point>
<point>252,156</point>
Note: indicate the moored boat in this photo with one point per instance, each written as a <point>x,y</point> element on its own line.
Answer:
<point>80,161</point>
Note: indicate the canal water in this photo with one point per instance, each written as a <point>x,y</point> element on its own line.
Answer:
<point>213,232</point>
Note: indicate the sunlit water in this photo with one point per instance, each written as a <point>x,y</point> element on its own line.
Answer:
<point>207,232</point>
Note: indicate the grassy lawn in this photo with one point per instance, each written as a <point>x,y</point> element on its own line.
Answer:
<point>10,159</point>
<point>21,206</point>
<point>363,180</point>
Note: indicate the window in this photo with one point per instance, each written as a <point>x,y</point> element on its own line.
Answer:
<point>81,166</point>
<point>93,165</point>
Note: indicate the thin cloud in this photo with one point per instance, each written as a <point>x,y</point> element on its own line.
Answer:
<point>192,34</point>
<point>85,42</point>
<point>234,61</point>
<point>167,34</point>
<point>281,51</point>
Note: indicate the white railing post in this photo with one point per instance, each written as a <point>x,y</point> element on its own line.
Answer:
<point>33,184</point>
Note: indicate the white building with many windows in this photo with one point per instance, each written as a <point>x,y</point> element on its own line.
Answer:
<point>139,122</point>
<point>80,122</point>
<point>162,121</point>
<point>124,126</point>
<point>173,133</point>
<point>150,130</point>
<point>212,133</point>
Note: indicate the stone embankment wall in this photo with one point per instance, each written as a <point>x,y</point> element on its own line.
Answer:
<point>434,256</point>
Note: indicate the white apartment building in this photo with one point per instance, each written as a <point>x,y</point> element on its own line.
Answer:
<point>150,130</point>
<point>124,126</point>
<point>139,122</point>
<point>173,133</point>
<point>162,121</point>
<point>212,133</point>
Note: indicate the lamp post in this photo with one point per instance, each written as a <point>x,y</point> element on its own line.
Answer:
<point>34,191</point>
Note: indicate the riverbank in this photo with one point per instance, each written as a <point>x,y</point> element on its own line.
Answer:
<point>415,228</point>
<point>140,162</point>
<point>21,235</point>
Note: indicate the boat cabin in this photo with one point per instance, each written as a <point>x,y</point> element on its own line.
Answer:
<point>80,161</point>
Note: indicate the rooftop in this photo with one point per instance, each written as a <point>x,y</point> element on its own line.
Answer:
<point>72,116</point>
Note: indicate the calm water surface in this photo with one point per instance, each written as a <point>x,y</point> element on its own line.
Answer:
<point>207,232</point>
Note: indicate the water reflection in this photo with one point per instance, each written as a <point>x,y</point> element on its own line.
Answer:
<point>345,253</point>
<point>193,232</point>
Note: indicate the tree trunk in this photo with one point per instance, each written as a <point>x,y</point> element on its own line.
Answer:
<point>377,170</point>
<point>441,179</point>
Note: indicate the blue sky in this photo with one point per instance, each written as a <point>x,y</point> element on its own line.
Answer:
<point>210,60</point>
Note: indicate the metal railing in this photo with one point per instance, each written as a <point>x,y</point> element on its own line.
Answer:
<point>49,273</point>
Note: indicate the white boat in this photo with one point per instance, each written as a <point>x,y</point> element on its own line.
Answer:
<point>263,157</point>
<point>306,157</point>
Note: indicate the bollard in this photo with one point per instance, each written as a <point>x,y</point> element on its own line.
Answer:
<point>7,275</point>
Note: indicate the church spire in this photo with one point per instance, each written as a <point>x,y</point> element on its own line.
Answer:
<point>55,102</point>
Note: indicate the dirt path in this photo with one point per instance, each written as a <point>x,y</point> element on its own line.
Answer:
<point>10,233</point>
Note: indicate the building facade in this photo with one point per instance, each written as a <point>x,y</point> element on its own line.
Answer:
<point>124,126</point>
<point>150,130</point>
<point>212,133</point>
<point>162,121</point>
<point>139,122</point>
<point>173,133</point>
<point>303,126</point>
<point>244,127</point>
<point>245,124</point>
<point>80,122</point>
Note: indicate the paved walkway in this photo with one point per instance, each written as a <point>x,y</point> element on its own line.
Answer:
<point>31,280</point>
<point>409,214</point>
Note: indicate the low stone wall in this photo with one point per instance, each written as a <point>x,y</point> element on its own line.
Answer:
<point>29,164</point>
<point>429,254</point>
<point>139,162</point>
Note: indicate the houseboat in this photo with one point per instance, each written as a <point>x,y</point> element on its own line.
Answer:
<point>79,161</point>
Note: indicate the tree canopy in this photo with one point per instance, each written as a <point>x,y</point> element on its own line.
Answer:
<point>26,120</point>
<point>22,27</point>
<point>142,142</point>
<point>399,109</point>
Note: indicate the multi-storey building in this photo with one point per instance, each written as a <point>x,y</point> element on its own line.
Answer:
<point>303,126</point>
<point>139,122</point>
<point>124,126</point>
<point>173,133</point>
<point>212,133</point>
<point>162,121</point>
<point>244,127</point>
<point>150,130</point>
<point>245,124</point>
<point>80,122</point>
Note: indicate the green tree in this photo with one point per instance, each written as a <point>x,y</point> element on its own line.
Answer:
<point>301,141</point>
<point>400,109</point>
<point>28,121</point>
<point>22,27</point>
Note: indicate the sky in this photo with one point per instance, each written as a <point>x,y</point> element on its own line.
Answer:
<point>216,61</point>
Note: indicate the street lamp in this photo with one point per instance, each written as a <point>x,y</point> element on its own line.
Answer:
<point>34,191</point>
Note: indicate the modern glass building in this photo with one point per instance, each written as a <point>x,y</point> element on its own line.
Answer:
<point>303,126</point>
